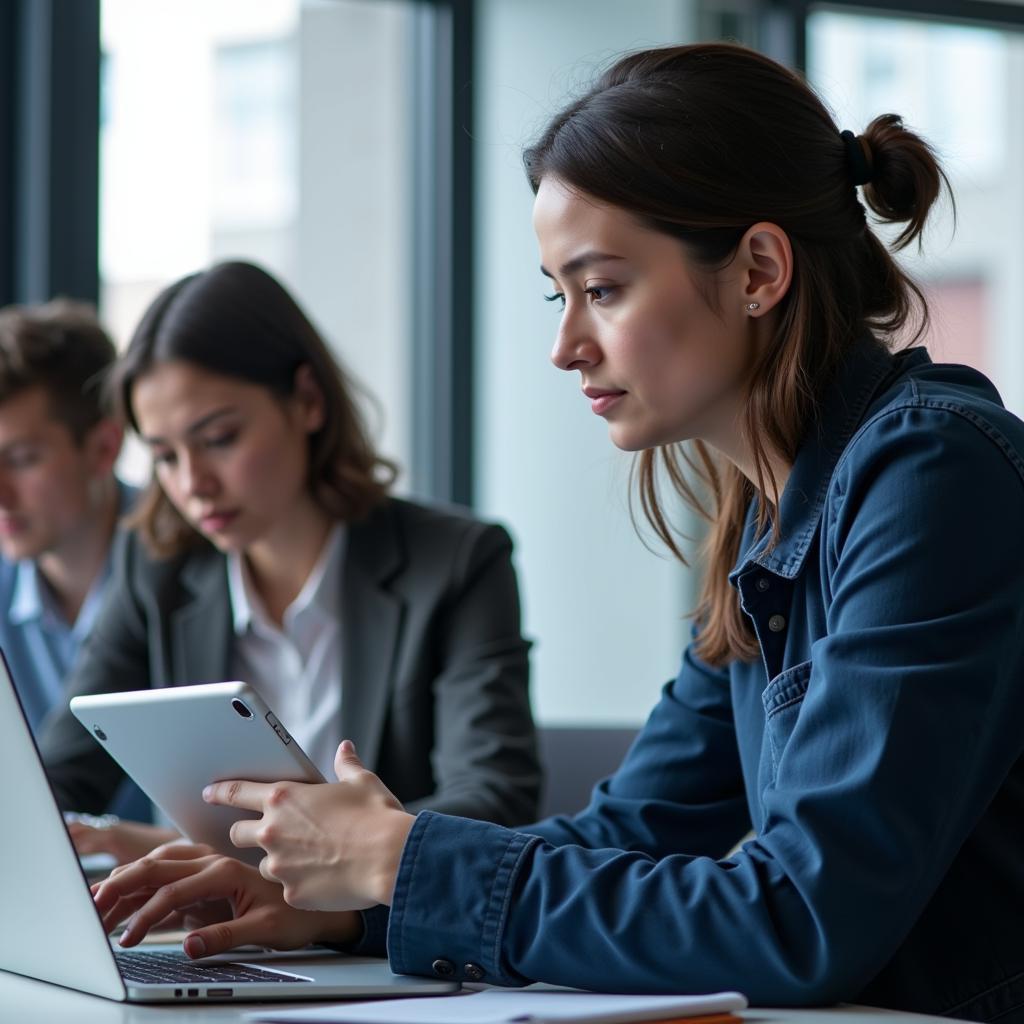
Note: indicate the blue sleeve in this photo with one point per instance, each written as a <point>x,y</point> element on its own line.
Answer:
<point>679,787</point>
<point>909,724</point>
<point>663,795</point>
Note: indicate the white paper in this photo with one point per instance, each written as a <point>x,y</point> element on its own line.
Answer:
<point>502,1006</point>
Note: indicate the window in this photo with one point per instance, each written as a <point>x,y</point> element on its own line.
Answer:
<point>607,616</point>
<point>278,132</point>
<point>957,85</point>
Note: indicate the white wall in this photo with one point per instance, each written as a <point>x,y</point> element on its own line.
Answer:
<point>351,235</point>
<point>606,615</point>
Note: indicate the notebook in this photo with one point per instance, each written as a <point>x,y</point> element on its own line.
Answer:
<point>51,930</point>
<point>540,1005</point>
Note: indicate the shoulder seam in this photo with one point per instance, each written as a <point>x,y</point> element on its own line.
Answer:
<point>999,439</point>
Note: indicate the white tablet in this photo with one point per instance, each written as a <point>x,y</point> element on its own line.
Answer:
<point>175,741</point>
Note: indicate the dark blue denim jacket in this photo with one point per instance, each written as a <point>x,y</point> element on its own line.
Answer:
<point>875,750</point>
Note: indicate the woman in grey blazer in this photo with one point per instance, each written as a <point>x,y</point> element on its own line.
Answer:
<point>267,548</point>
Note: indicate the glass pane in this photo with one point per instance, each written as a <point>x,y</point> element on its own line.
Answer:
<point>607,616</point>
<point>957,85</point>
<point>277,132</point>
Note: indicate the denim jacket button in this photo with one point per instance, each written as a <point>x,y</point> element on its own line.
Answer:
<point>443,968</point>
<point>776,623</point>
<point>762,584</point>
<point>473,971</point>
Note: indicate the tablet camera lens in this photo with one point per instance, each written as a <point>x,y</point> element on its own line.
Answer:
<point>100,734</point>
<point>241,708</point>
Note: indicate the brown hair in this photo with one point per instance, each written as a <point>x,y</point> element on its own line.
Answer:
<point>235,320</point>
<point>61,347</point>
<point>701,142</point>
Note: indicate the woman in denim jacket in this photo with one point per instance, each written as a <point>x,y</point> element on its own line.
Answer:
<point>854,691</point>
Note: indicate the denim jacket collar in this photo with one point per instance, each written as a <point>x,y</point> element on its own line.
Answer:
<point>858,379</point>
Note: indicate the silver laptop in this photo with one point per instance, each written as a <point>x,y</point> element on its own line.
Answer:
<point>51,930</point>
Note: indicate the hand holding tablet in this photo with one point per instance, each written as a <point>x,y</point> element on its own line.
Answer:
<point>174,742</point>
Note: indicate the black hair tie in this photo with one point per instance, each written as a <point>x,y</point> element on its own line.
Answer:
<point>857,158</point>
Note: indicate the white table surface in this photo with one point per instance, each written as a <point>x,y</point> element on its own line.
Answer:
<point>23,1001</point>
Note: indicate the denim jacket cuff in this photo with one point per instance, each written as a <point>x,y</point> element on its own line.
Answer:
<point>451,899</point>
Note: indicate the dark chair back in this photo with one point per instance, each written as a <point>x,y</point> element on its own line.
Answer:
<point>574,759</point>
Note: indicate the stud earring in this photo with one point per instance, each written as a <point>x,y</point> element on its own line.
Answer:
<point>751,306</point>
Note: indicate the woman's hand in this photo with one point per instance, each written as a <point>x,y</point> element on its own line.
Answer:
<point>333,846</point>
<point>227,903</point>
<point>125,841</point>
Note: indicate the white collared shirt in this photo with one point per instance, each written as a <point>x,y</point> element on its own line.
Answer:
<point>296,669</point>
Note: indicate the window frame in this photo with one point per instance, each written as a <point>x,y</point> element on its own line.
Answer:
<point>781,25</point>
<point>49,121</point>
<point>49,201</point>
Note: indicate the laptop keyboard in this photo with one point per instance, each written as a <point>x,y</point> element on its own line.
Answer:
<point>178,969</point>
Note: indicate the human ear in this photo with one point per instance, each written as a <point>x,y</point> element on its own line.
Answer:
<point>102,445</point>
<point>764,259</point>
<point>309,399</point>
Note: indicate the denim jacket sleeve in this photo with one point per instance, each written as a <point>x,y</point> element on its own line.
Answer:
<point>679,785</point>
<point>909,723</point>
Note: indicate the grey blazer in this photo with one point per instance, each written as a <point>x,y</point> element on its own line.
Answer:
<point>434,667</point>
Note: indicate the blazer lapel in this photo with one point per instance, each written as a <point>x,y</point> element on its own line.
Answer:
<point>201,629</point>
<point>371,623</point>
